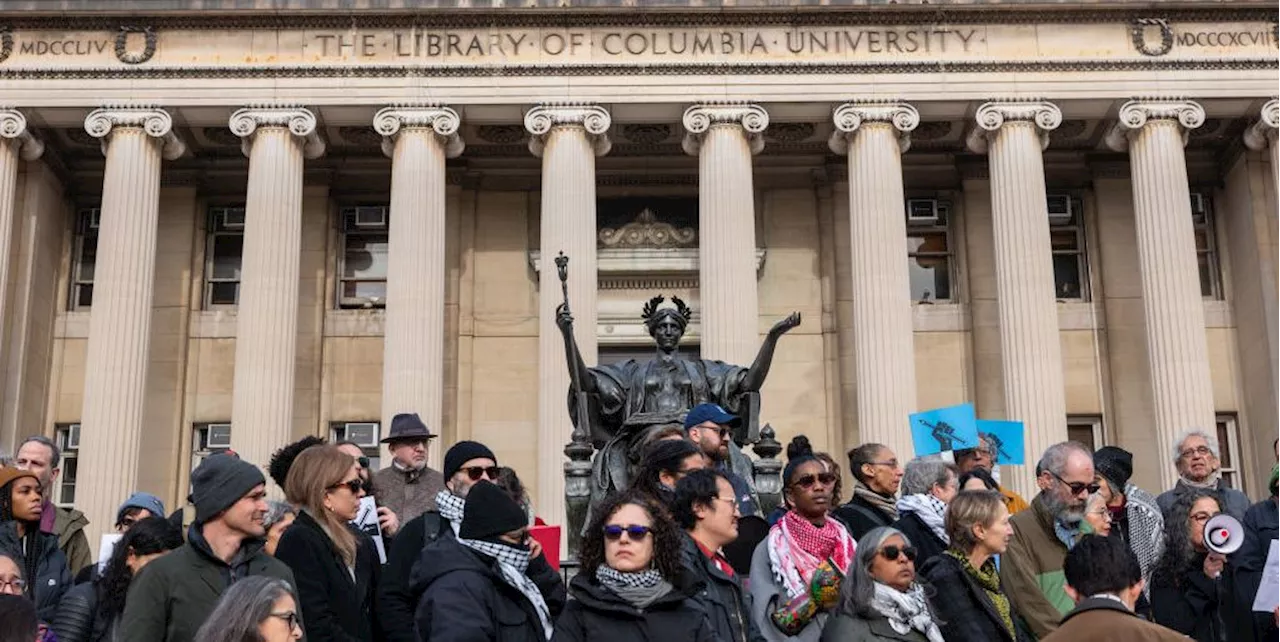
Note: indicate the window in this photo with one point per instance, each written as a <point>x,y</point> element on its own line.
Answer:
<point>1206,246</point>
<point>68,440</point>
<point>1066,237</point>
<point>84,257</point>
<point>224,249</point>
<point>1086,429</point>
<point>365,433</point>
<point>1228,446</point>
<point>363,263</point>
<point>209,439</point>
<point>929,249</point>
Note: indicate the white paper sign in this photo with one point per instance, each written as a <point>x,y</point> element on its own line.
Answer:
<point>367,521</point>
<point>106,547</point>
<point>1269,590</point>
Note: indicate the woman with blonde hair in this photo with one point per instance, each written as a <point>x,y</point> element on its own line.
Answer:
<point>335,567</point>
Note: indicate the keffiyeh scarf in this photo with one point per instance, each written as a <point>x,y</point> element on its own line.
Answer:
<point>929,509</point>
<point>514,564</point>
<point>906,611</point>
<point>1146,530</point>
<point>450,507</point>
<point>797,548</point>
<point>988,577</point>
<point>641,588</point>
<point>882,503</point>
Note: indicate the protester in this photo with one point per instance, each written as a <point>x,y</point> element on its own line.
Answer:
<point>43,457</point>
<point>477,587</point>
<point>1097,517</point>
<point>90,612</point>
<point>18,621</point>
<point>928,485</point>
<point>138,507</point>
<point>282,459</point>
<point>663,464</point>
<point>43,564</point>
<point>11,582</point>
<point>798,547</point>
<point>982,458</point>
<point>224,545</point>
<point>707,509</point>
<point>1105,581</point>
<point>255,609</point>
<point>1261,526</point>
<point>711,427</point>
<point>388,521</point>
<point>408,487</point>
<point>278,518</point>
<point>797,447</point>
<point>1031,570</point>
<point>978,479</point>
<point>1196,457</point>
<point>1186,594</point>
<point>1135,517</point>
<point>880,598</point>
<point>631,586</point>
<point>876,476</point>
<point>336,568</point>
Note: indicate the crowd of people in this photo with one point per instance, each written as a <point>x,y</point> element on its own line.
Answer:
<point>931,550</point>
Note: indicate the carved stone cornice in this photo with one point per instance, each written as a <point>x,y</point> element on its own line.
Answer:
<point>700,118</point>
<point>1263,132</point>
<point>646,231</point>
<point>13,125</point>
<point>300,121</point>
<point>595,119</point>
<point>850,116</point>
<point>443,121</point>
<point>156,122</point>
<point>991,116</point>
<point>1135,114</point>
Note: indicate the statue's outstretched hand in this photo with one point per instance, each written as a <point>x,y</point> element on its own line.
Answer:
<point>782,327</point>
<point>564,320</point>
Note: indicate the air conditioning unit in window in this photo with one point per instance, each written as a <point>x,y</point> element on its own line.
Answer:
<point>73,437</point>
<point>922,211</point>
<point>233,218</point>
<point>1199,210</point>
<point>371,217</point>
<point>363,433</point>
<point>1061,210</point>
<point>217,436</point>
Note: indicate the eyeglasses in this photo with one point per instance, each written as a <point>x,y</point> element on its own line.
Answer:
<point>15,583</point>
<point>353,485</point>
<point>1103,513</point>
<point>125,524</point>
<point>635,533</point>
<point>474,473</point>
<point>891,553</point>
<point>1201,516</point>
<point>807,481</point>
<point>363,461</point>
<point>1203,451</point>
<point>892,463</point>
<point>289,618</point>
<point>1076,487</point>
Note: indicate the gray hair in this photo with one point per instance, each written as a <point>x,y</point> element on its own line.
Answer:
<point>923,473</point>
<point>276,510</point>
<point>1056,456</point>
<point>859,585</point>
<point>242,609</point>
<point>1210,440</point>
<point>55,458</point>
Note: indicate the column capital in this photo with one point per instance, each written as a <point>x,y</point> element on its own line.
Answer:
<point>1263,132</point>
<point>156,122</point>
<point>299,120</point>
<point>1135,114</point>
<point>849,117</point>
<point>993,115</point>
<point>13,125</point>
<point>441,120</point>
<point>540,120</point>
<point>697,119</point>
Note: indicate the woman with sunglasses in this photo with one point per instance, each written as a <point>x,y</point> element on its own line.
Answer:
<point>880,598</point>
<point>631,586</point>
<point>1187,592</point>
<point>254,609</point>
<point>805,547</point>
<point>335,566</point>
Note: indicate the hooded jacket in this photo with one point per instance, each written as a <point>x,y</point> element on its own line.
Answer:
<point>172,596</point>
<point>597,614</point>
<point>1031,570</point>
<point>68,525</point>
<point>52,578</point>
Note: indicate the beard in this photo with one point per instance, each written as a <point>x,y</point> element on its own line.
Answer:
<point>1062,511</point>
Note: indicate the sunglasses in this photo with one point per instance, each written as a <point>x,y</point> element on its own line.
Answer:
<point>613,532</point>
<point>353,485</point>
<point>891,553</point>
<point>1077,487</point>
<point>290,618</point>
<point>474,473</point>
<point>363,461</point>
<point>807,481</point>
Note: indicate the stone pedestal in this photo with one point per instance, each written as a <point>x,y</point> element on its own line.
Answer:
<point>724,136</point>
<point>417,139</point>
<point>134,140</point>
<point>1014,135</point>
<point>874,136</point>
<point>567,137</point>
<point>275,139</point>
<point>1155,132</point>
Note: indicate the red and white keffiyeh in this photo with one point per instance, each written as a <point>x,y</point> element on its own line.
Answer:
<point>797,548</point>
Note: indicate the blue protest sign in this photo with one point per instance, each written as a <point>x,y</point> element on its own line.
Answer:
<point>1008,439</point>
<point>943,429</point>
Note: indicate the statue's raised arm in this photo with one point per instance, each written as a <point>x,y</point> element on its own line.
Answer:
<point>760,367</point>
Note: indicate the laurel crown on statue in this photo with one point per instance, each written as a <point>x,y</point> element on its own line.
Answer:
<point>653,314</point>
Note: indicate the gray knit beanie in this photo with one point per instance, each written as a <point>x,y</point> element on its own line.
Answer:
<point>220,481</point>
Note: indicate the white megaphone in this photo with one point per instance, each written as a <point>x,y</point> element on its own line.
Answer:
<point>1223,534</point>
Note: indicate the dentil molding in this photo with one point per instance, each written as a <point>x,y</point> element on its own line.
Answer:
<point>1135,114</point>
<point>991,116</point>
<point>444,121</point>
<point>13,125</point>
<point>157,123</point>
<point>300,121</point>
<point>595,119</point>
<point>850,116</point>
<point>698,119</point>
<point>1263,132</point>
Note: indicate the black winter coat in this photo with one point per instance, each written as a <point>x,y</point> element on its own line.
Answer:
<point>396,602</point>
<point>52,577</point>
<point>78,620</point>
<point>860,516</point>
<point>962,609</point>
<point>334,606</point>
<point>597,614</point>
<point>1261,525</point>
<point>466,599</point>
<point>928,545</point>
<point>1192,604</point>
<point>727,604</point>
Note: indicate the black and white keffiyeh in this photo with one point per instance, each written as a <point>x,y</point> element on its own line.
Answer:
<point>514,564</point>
<point>929,509</point>
<point>450,507</point>
<point>906,610</point>
<point>1146,530</point>
<point>641,588</point>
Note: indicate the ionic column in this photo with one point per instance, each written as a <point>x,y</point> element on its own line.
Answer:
<point>1262,136</point>
<point>115,380</point>
<point>724,136</point>
<point>16,145</point>
<point>874,136</point>
<point>417,139</point>
<point>1154,132</point>
<point>275,139</point>
<point>1014,135</point>
<point>567,137</point>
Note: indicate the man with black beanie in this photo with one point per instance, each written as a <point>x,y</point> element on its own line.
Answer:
<point>481,578</point>
<point>1135,517</point>
<point>176,593</point>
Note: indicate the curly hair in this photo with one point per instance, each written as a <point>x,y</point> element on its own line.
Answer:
<point>147,537</point>
<point>1179,554</point>
<point>662,457</point>
<point>282,460</point>
<point>666,535</point>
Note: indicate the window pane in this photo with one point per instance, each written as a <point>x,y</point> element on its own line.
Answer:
<point>1202,239</point>
<point>88,257</point>
<point>84,295</point>
<point>1064,239</point>
<point>365,257</point>
<point>1206,275</point>
<point>1066,276</point>
<point>930,278</point>
<point>225,293</point>
<point>1225,458</point>
<point>364,289</point>
<point>1082,433</point>
<point>227,252</point>
<point>67,494</point>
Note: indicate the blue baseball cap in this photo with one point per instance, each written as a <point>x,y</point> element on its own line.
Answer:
<point>704,412</point>
<point>141,500</point>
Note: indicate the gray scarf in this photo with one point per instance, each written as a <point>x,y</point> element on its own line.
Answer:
<point>886,505</point>
<point>639,589</point>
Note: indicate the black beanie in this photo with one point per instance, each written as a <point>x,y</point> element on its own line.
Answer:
<point>1115,464</point>
<point>490,512</point>
<point>463,452</point>
<point>220,481</point>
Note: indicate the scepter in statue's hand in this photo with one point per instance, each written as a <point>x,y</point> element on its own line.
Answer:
<point>565,321</point>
